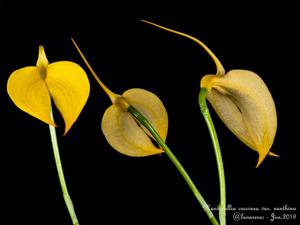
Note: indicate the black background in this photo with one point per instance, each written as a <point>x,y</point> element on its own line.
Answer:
<point>110,188</point>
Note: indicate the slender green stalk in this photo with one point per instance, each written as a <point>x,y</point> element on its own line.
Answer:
<point>214,138</point>
<point>60,172</point>
<point>136,114</point>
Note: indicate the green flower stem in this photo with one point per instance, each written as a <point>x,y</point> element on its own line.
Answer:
<point>60,172</point>
<point>214,138</point>
<point>136,114</point>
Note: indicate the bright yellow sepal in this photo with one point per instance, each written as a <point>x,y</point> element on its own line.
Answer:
<point>31,89</point>
<point>242,101</point>
<point>121,130</point>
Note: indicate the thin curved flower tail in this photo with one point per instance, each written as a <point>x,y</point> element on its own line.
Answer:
<point>124,133</point>
<point>31,89</point>
<point>242,101</point>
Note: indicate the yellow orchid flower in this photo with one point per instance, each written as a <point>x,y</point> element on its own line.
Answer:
<point>242,101</point>
<point>121,130</point>
<point>31,89</point>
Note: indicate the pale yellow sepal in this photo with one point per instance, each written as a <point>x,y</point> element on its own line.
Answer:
<point>31,89</point>
<point>149,105</point>
<point>245,105</point>
<point>121,130</point>
<point>242,101</point>
<point>125,134</point>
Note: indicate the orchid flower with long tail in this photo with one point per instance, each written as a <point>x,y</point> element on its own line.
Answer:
<point>31,89</point>
<point>243,102</point>
<point>133,119</point>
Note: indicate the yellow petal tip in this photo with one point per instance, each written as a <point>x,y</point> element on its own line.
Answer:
<point>273,154</point>
<point>42,62</point>
<point>261,157</point>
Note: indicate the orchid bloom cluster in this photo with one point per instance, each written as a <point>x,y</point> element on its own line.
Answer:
<point>138,117</point>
